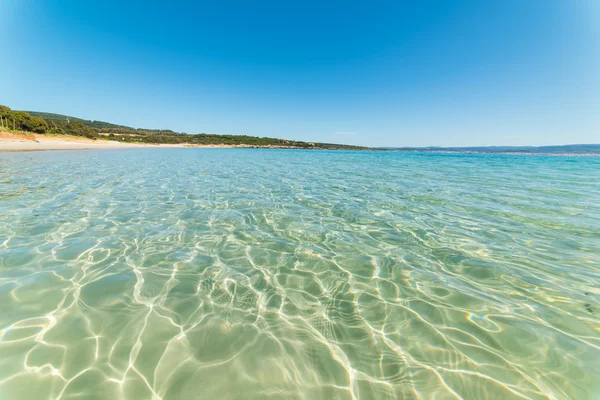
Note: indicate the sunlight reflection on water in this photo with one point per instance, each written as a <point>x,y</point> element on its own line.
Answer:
<point>186,273</point>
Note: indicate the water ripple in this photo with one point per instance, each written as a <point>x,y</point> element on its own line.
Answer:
<point>186,273</point>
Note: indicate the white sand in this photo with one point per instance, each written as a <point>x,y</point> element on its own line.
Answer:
<point>31,142</point>
<point>12,141</point>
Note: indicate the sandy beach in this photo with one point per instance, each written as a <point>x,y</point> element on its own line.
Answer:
<point>10,141</point>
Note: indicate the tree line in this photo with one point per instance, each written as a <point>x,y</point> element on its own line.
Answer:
<point>47,123</point>
<point>23,121</point>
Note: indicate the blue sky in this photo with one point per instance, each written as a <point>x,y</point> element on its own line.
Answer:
<point>394,73</point>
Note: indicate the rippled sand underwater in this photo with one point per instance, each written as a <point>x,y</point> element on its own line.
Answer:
<point>255,274</point>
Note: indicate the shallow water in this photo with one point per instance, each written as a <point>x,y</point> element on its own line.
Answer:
<point>251,274</point>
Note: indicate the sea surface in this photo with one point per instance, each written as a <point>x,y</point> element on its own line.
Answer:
<point>291,274</point>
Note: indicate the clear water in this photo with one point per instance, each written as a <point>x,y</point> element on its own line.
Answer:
<point>253,274</point>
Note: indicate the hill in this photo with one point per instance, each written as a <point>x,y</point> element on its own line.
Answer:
<point>50,123</point>
<point>66,118</point>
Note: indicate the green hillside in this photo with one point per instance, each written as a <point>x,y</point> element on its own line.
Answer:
<point>49,123</point>
<point>59,117</point>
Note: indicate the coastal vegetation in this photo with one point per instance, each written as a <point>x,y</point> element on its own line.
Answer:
<point>21,120</point>
<point>57,124</point>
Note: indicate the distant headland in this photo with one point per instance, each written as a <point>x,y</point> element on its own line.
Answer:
<point>558,150</point>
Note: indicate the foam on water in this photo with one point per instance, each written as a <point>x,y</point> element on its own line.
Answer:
<point>190,273</point>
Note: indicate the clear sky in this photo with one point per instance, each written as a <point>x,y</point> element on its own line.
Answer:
<point>394,73</point>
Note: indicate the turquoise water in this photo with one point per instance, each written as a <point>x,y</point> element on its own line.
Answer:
<point>252,274</point>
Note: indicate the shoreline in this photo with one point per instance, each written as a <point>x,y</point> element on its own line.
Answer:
<point>17,142</point>
<point>11,142</point>
<point>25,142</point>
